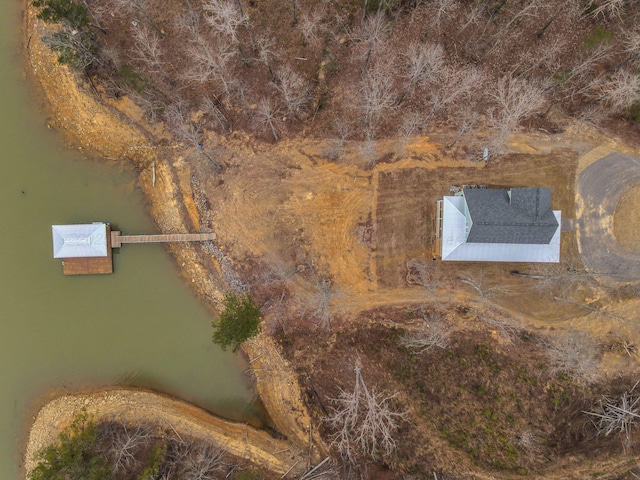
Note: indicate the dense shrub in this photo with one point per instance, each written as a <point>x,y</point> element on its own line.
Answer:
<point>239,321</point>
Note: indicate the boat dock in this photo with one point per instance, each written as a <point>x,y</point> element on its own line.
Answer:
<point>90,265</point>
<point>87,249</point>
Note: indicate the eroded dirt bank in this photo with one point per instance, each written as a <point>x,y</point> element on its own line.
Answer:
<point>135,407</point>
<point>112,131</point>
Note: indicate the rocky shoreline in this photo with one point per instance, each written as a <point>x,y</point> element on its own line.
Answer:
<point>133,406</point>
<point>114,130</point>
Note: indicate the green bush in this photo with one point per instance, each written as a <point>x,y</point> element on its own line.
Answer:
<point>66,11</point>
<point>154,464</point>
<point>77,50</point>
<point>598,37</point>
<point>74,455</point>
<point>239,321</point>
<point>132,78</point>
<point>635,112</point>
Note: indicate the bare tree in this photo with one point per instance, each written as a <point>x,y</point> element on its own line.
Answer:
<point>213,108</point>
<point>574,353</point>
<point>147,48</point>
<point>411,124</point>
<point>188,23</point>
<point>572,5</point>
<point>202,462</point>
<point>543,55</point>
<point>321,306</point>
<point>225,17</point>
<point>617,414</point>
<point>479,284</point>
<point>209,63</point>
<point>425,62</point>
<point>137,7</point>
<point>516,99</point>
<point>508,329</point>
<point>295,90</point>
<point>433,334</point>
<point>632,45</point>
<point>364,421</point>
<point>376,96</point>
<point>76,48</point>
<point>621,90</point>
<point>267,52</point>
<point>267,117</point>
<point>188,129</point>
<point>582,72</point>
<point>311,24</point>
<point>443,9</point>
<point>607,8</point>
<point>152,106</point>
<point>372,34</point>
<point>125,441</point>
<point>368,150</point>
<point>178,119</point>
<point>467,119</point>
<point>455,83</point>
<point>343,130</point>
<point>563,279</point>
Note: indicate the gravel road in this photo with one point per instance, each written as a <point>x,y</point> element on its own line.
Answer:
<point>600,187</point>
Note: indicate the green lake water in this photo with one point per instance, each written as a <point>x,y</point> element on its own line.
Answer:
<point>138,327</point>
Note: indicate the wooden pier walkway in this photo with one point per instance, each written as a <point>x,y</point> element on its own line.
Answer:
<point>117,239</point>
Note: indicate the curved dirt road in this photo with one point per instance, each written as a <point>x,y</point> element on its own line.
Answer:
<point>600,187</point>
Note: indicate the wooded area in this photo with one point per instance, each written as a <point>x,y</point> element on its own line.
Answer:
<point>362,70</point>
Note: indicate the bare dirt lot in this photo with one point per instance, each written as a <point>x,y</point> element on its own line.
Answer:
<point>407,198</point>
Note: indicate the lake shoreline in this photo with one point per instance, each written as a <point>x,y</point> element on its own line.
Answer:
<point>111,130</point>
<point>140,406</point>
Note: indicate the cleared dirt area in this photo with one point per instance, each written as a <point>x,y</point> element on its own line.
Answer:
<point>407,199</point>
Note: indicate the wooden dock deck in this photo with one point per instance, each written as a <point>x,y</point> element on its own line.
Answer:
<point>117,239</point>
<point>98,265</point>
<point>90,265</point>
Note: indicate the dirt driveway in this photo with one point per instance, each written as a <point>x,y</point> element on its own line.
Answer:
<point>600,187</point>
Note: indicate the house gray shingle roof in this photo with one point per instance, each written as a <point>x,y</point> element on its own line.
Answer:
<point>519,215</point>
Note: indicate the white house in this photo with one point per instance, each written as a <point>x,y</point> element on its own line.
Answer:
<point>499,225</point>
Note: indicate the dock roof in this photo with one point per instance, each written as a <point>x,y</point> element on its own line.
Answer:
<point>83,240</point>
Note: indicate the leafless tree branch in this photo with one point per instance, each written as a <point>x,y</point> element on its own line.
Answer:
<point>364,420</point>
